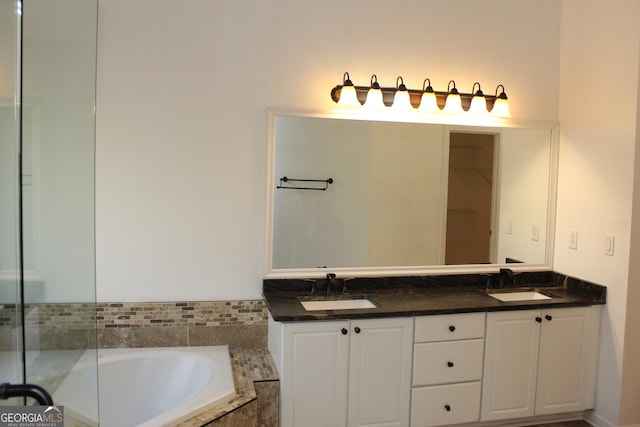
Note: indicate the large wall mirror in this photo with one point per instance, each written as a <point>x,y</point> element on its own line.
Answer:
<point>374,197</point>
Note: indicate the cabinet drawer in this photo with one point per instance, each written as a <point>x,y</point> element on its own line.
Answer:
<point>445,404</point>
<point>447,362</point>
<point>449,327</point>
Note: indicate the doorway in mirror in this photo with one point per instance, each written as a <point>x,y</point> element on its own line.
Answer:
<point>470,198</point>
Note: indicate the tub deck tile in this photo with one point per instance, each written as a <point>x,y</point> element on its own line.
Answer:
<point>249,366</point>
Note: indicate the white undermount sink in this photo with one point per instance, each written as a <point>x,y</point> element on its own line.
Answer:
<point>338,304</point>
<point>519,296</point>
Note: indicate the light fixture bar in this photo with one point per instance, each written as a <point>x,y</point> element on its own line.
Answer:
<point>415,96</point>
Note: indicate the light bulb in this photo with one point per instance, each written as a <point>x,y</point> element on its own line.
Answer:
<point>348,95</point>
<point>501,108</point>
<point>478,102</point>
<point>501,104</point>
<point>428,102</point>
<point>374,95</point>
<point>401,99</point>
<point>453,103</point>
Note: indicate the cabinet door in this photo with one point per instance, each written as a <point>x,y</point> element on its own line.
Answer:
<point>566,364</point>
<point>314,374</point>
<point>380,372</point>
<point>511,358</point>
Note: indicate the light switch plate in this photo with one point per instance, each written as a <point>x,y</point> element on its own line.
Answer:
<point>573,239</point>
<point>609,244</point>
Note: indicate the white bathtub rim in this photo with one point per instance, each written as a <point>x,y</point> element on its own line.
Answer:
<point>194,405</point>
<point>197,403</point>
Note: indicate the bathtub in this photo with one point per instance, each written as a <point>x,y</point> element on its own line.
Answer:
<point>146,387</point>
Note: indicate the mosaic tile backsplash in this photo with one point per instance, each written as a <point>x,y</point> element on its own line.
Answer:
<point>209,313</point>
<point>238,324</point>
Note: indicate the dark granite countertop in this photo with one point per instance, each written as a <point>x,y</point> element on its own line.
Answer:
<point>425,295</point>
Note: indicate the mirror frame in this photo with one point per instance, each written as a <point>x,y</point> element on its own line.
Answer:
<point>454,122</point>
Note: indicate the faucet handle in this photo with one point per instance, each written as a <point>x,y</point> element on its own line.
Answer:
<point>331,278</point>
<point>487,279</point>
<point>313,285</point>
<point>507,277</point>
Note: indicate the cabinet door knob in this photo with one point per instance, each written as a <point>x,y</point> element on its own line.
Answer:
<point>452,328</point>
<point>357,329</point>
<point>539,319</point>
<point>548,317</point>
<point>450,364</point>
<point>344,331</point>
<point>447,408</point>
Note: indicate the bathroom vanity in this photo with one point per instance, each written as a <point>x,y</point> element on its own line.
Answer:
<point>434,350</point>
<point>421,214</point>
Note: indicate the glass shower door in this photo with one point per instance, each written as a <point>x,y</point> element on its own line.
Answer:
<point>47,196</point>
<point>11,361</point>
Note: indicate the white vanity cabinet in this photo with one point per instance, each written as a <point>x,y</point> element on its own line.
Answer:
<point>447,369</point>
<point>343,373</point>
<point>540,362</point>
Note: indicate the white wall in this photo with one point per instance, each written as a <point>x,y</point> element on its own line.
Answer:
<point>600,51</point>
<point>181,113</point>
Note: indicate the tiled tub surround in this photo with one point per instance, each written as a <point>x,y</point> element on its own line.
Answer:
<point>425,295</point>
<point>242,325</point>
<point>238,324</point>
<point>50,326</point>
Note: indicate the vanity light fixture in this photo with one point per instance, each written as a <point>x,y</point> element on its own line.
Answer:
<point>426,100</point>
<point>348,95</point>
<point>374,95</point>
<point>501,104</point>
<point>401,99</point>
<point>478,102</point>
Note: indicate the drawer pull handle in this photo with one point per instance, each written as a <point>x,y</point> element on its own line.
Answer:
<point>447,408</point>
<point>548,317</point>
<point>539,319</point>
<point>357,329</point>
<point>450,364</point>
<point>344,331</point>
<point>452,328</point>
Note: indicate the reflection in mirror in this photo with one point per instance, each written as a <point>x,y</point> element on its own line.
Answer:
<point>469,198</point>
<point>407,194</point>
